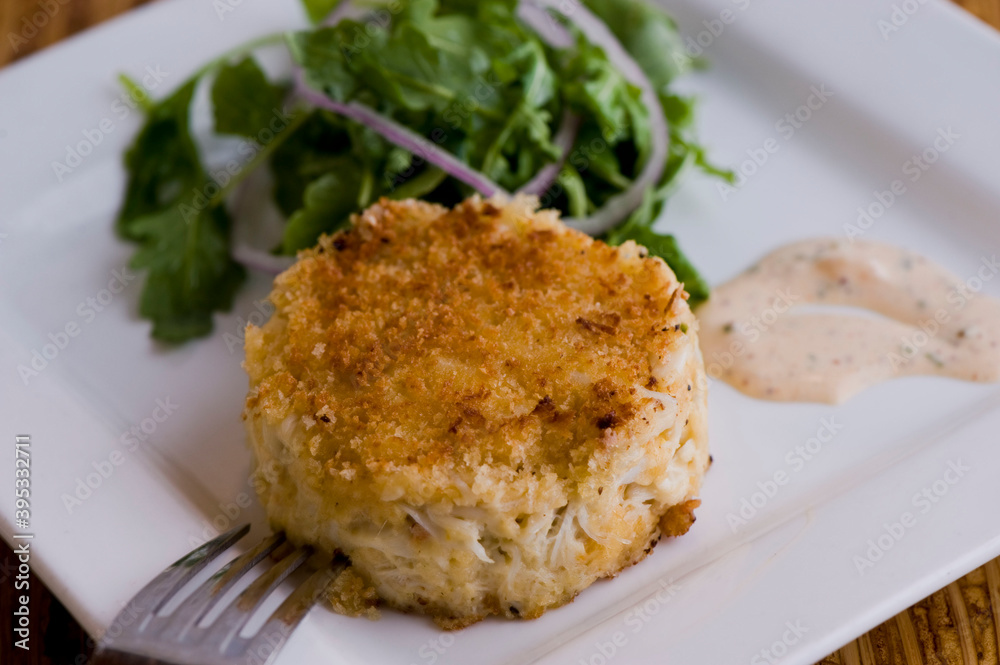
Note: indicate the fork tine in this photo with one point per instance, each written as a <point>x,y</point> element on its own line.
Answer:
<point>178,625</point>
<point>263,647</point>
<point>152,597</point>
<point>234,617</point>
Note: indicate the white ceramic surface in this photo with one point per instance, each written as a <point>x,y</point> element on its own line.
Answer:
<point>789,585</point>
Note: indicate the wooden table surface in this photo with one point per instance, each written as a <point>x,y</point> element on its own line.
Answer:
<point>959,625</point>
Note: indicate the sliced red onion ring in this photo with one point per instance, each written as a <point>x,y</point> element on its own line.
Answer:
<point>555,34</point>
<point>403,137</point>
<point>257,259</point>
<point>344,9</point>
<point>618,207</point>
<point>564,139</point>
<point>545,26</point>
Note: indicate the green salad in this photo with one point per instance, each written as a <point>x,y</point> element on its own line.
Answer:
<point>433,99</point>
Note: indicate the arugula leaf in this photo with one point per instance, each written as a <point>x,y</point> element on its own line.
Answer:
<point>419,186</point>
<point>508,157</point>
<point>479,8</point>
<point>401,68</point>
<point>190,272</point>
<point>136,92</point>
<point>328,202</point>
<point>324,56</point>
<point>598,90</point>
<point>317,10</point>
<point>649,34</point>
<point>651,37</point>
<point>305,156</point>
<point>162,163</point>
<point>332,167</point>
<point>575,192</point>
<point>466,73</point>
<point>184,242</point>
<point>244,101</point>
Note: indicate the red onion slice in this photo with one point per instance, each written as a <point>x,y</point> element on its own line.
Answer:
<point>551,31</point>
<point>262,261</point>
<point>401,136</point>
<point>564,139</point>
<point>555,34</point>
<point>344,9</point>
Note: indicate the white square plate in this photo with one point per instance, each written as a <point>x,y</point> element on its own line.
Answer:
<point>791,584</point>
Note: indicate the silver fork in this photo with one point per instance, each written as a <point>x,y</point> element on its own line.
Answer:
<point>140,634</point>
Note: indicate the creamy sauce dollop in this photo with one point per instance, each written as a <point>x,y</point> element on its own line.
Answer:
<point>932,322</point>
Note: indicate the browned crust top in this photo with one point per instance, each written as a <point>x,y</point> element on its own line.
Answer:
<point>486,334</point>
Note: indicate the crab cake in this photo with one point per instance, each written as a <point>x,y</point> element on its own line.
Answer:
<point>484,409</point>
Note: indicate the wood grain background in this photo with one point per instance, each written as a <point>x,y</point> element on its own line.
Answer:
<point>958,625</point>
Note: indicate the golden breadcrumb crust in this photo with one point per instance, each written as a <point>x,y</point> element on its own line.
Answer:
<point>451,395</point>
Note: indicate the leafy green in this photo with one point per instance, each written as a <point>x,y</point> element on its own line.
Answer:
<point>596,89</point>
<point>184,243</point>
<point>136,92</point>
<point>162,162</point>
<point>467,74</point>
<point>419,186</point>
<point>638,227</point>
<point>327,203</point>
<point>317,10</point>
<point>331,167</point>
<point>305,156</point>
<point>244,101</point>
<point>649,34</point>
<point>190,273</point>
